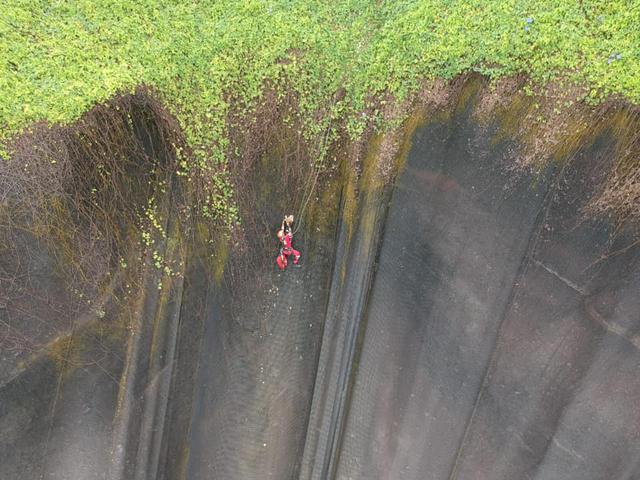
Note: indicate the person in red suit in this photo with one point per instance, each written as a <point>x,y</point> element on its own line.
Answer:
<point>285,235</point>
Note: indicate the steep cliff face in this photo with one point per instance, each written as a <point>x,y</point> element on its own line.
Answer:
<point>498,338</point>
<point>455,318</point>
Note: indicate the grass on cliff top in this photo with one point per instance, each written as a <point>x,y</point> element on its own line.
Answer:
<point>59,58</point>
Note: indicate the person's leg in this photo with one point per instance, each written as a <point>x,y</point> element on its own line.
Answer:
<point>296,256</point>
<point>281,261</point>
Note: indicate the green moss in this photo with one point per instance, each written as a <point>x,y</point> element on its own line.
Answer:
<point>215,249</point>
<point>468,93</point>
<point>416,120</point>
<point>509,117</point>
<point>78,349</point>
<point>371,181</point>
<point>221,255</point>
<point>183,464</point>
<point>324,212</point>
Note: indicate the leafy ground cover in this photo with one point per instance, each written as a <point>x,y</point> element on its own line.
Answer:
<point>59,59</point>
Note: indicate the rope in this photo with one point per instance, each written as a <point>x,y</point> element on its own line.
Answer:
<point>315,173</point>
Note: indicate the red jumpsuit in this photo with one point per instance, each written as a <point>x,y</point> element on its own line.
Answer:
<point>287,250</point>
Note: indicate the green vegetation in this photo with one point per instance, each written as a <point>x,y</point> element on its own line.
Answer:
<point>58,59</point>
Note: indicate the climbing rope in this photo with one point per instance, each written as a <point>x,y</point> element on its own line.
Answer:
<point>313,178</point>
